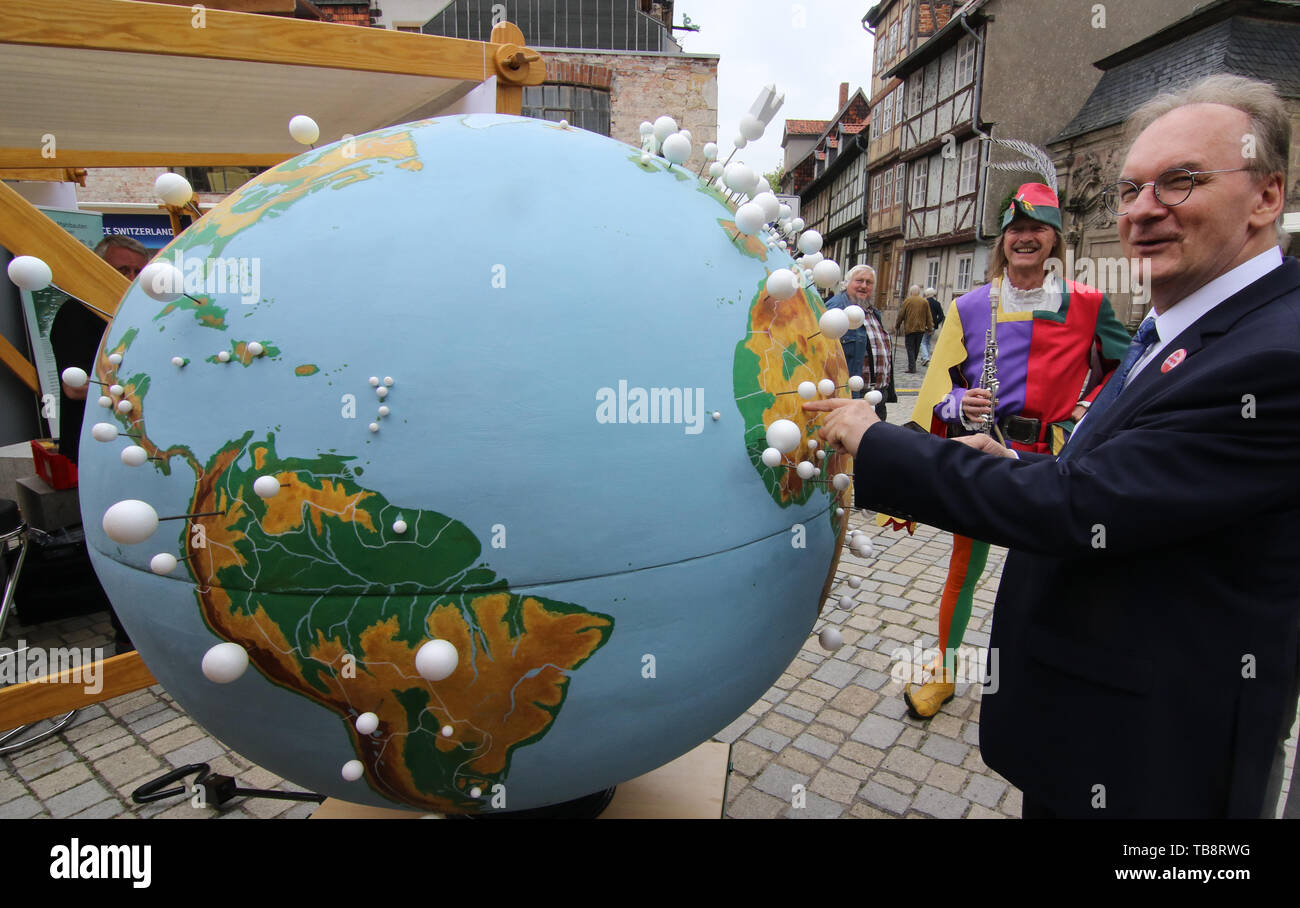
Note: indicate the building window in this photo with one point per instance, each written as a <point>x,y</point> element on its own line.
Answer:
<point>893,40</point>
<point>914,86</point>
<point>963,273</point>
<point>887,113</point>
<point>918,186</point>
<point>875,193</point>
<point>965,61</point>
<point>219,179</point>
<point>585,108</point>
<point>888,193</point>
<point>970,152</point>
<point>932,273</point>
<point>898,185</point>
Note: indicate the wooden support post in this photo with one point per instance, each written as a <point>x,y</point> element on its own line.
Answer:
<point>55,695</point>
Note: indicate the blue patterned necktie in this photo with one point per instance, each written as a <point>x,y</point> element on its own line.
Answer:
<point>1142,341</point>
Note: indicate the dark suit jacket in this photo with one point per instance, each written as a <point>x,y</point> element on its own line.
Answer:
<point>1146,623</point>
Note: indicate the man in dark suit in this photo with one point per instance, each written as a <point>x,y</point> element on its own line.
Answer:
<point>1148,619</point>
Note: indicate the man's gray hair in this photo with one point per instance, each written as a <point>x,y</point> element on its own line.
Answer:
<point>1270,125</point>
<point>914,290</point>
<point>856,270</point>
<point>124,242</point>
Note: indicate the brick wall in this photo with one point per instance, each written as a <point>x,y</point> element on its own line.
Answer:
<point>645,87</point>
<point>347,13</point>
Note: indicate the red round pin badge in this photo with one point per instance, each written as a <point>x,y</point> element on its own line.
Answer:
<point>1173,359</point>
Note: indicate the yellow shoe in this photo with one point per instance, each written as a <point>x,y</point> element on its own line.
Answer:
<point>931,696</point>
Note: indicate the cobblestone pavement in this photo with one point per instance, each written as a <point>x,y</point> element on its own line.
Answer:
<point>832,734</point>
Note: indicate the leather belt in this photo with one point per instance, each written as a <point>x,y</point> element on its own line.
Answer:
<point>1022,429</point>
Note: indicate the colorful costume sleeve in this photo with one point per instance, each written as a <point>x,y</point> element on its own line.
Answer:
<point>939,401</point>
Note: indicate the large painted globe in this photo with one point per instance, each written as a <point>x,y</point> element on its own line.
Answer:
<point>505,385</point>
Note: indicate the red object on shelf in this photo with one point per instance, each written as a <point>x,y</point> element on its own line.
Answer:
<point>59,472</point>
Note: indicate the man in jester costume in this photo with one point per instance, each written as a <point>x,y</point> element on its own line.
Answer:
<point>1056,343</point>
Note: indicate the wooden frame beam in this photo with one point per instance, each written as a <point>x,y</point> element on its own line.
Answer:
<point>54,695</point>
<point>74,157</point>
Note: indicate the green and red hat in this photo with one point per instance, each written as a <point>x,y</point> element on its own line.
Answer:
<point>1036,201</point>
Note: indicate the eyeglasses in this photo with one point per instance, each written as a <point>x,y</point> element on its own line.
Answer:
<point>1170,188</point>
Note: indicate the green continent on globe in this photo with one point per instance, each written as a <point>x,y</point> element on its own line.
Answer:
<point>331,597</point>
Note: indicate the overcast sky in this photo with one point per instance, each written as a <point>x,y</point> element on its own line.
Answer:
<point>805,47</point>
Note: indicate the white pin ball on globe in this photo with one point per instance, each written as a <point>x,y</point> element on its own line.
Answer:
<point>645,158</point>
<point>749,218</point>
<point>303,129</point>
<point>105,401</point>
<point>115,358</point>
<point>103,431</point>
<point>864,547</point>
<point>225,662</point>
<point>664,127</point>
<point>821,455</point>
<point>771,457</point>
<point>834,323</point>
<point>831,639</point>
<point>710,151</point>
<point>124,407</point>
<point>367,723</point>
<point>130,521</point>
<point>716,414</point>
<point>75,377</point>
<point>856,383</point>
<point>854,582</point>
<point>783,212</point>
<point>686,133</point>
<point>163,563</point>
<point>116,390</point>
<point>223,356</point>
<point>738,177</point>
<point>173,189</point>
<point>839,512</point>
<point>476,792</point>
<point>353,770</point>
<point>254,348</point>
<point>161,280</point>
<point>784,435</point>
<point>715,169</point>
<point>811,261</point>
<point>873,397</point>
<point>740,141</point>
<point>381,393</point>
<point>30,273</point>
<point>845,602</point>
<point>782,284</point>
<point>388,381</point>
<point>826,274</point>
<point>384,410</point>
<point>812,444</point>
<point>399,526</point>
<point>178,361</point>
<point>373,427</point>
<point>797,224</point>
<point>647,128</point>
<point>806,470</point>
<point>807,390</point>
<point>266,486</point>
<point>857,315</point>
<point>751,127</point>
<point>770,204</point>
<point>841,481</point>
<point>810,241</point>
<point>677,148</point>
<point>436,660</point>
<point>826,387</point>
<point>448,731</point>
<point>564,124</point>
<point>374,381</point>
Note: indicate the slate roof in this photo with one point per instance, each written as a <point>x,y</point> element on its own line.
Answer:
<point>806,127</point>
<point>1260,48</point>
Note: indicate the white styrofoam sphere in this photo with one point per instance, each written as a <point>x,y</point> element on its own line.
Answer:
<point>782,284</point>
<point>841,481</point>
<point>254,348</point>
<point>399,526</point>
<point>178,361</point>
<point>367,723</point>
<point>805,469</point>
<point>810,241</point>
<point>647,128</point>
<point>826,387</point>
<point>676,148</point>
<point>831,639</point>
<point>266,486</point>
<point>225,662</point>
<point>664,127</point>
<point>855,582</point>
<point>856,383</point>
<point>436,660</point>
<point>834,323</point>
<point>353,770</point>
<point>751,127</point>
<point>134,455</point>
<point>162,280</point>
<point>116,390</point>
<point>771,457</point>
<point>784,435</point>
<point>303,129</point>
<point>130,521</point>
<point>821,455</point>
<point>857,315</point>
<point>769,203</point>
<point>105,401</point>
<point>797,224</point>
<point>715,170</point>
<point>846,602</point>
<point>738,177</point>
<point>163,563</point>
<point>223,356</point>
<point>30,273</point>
<point>115,358</point>
<point>124,406</point>
<point>873,397</point>
<point>864,547</point>
<point>103,431</point>
<point>826,274</point>
<point>740,141</point>
<point>783,212</point>
<point>75,377</point>
<point>807,390</point>
<point>812,444</point>
<point>710,151</point>
<point>749,218</point>
<point>173,189</point>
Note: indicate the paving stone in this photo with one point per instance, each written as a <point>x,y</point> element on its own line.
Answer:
<point>836,786</point>
<point>176,739</point>
<point>200,751</point>
<point>977,812</point>
<point>779,781</point>
<point>774,695</point>
<point>940,804</point>
<point>884,798</point>
<point>70,776</point>
<point>799,715</point>
<point>861,753</point>
<point>766,738</point>
<point>109,747</point>
<point>23,808</point>
<point>872,679</point>
<point>737,728</point>
<point>785,682</point>
<point>783,725</point>
<point>815,807</point>
<point>90,742</point>
<point>864,811</point>
<point>158,717</point>
<point>75,800</point>
<point>815,745</point>
<point>748,759</point>
<point>122,767</point>
<point>855,700</point>
<point>804,701</point>
<point>125,705</point>
<point>827,733</point>
<point>299,811</point>
<point>897,783</point>
<point>946,749</point>
<point>842,722</point>
<point>975,763</point>
<point>11,788</point>
<point>878,731</point>
<point>85,730</point>
<point>836,673</point>
<point>265,808</point>
<point>946,724</point>
<point>910,737</point>
<point>148,710</point>
<point>102,811</point>
<point>45,766</point>
<point>949,778</point>
<point>983,790</point>
<point>754,805</point>
<point>908,763</point>
<point>800,761</point>
<point>800,668</point>
<point>819,689</point>
<point>41,751</point>
<point>170,727</point>
<point>1012,804</point>
<point>893,707</point>
<point>759,709</point>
